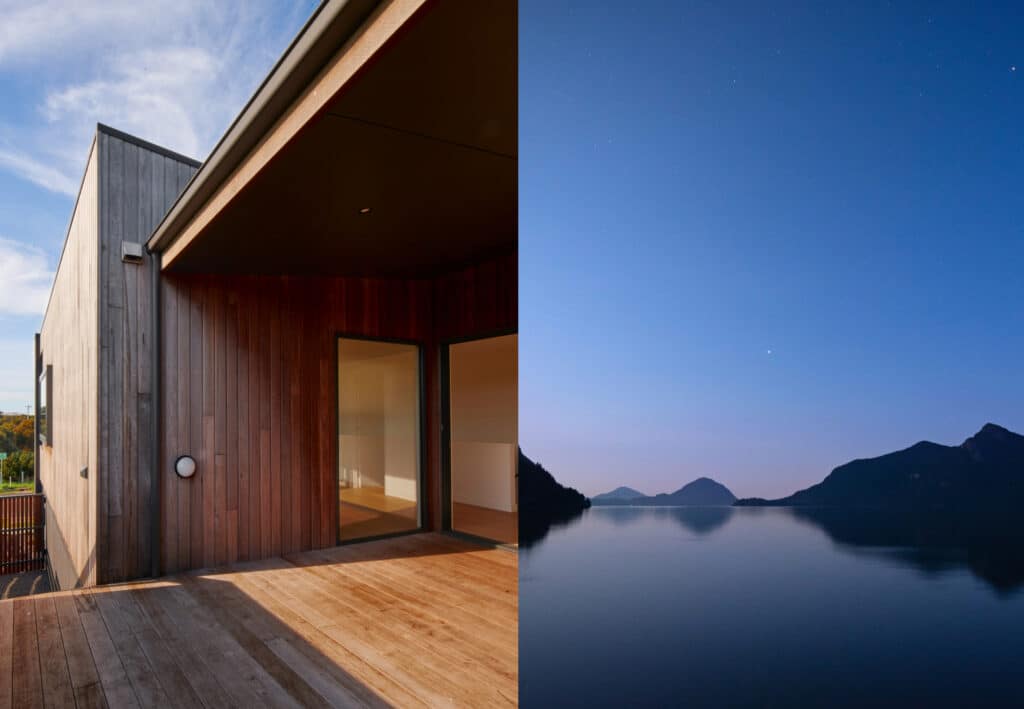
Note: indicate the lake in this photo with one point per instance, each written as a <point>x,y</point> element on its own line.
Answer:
<point>766,607</point>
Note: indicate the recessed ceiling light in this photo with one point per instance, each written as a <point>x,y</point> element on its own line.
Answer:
<point>364,210</point>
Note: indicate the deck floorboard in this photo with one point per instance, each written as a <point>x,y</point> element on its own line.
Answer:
<point>422,620</point>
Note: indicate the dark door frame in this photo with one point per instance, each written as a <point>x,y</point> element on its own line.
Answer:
<point>421,477</point>
<point>446,439</point>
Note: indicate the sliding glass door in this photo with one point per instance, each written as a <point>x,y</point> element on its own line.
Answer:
<point>484,433</point>
<point>378,438</point>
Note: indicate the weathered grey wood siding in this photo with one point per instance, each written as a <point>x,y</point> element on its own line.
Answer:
<point>138,183</point>
<point>68,343</point>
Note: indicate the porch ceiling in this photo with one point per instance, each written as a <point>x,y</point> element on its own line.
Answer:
<point>424,136</point>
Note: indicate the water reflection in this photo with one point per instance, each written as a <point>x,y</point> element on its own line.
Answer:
<point>698,520</point>
<point>535,525</point>
<point>772,607</point>
<point>990,544</point>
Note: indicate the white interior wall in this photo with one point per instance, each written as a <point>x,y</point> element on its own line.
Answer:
<point>485,424</point>
<point>401,425</point>
<point>482,474</point>
<point>378,418</point>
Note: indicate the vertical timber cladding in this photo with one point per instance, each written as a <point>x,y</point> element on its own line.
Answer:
<point>67,342</point>
<point>249,379</point>
<point>138,183</point>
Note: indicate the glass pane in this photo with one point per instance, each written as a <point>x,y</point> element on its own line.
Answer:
<point>484,437</point>
<point>378,438</point>
<point>44,408</point>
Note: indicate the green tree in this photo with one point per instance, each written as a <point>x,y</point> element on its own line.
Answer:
<point>16,433</point>
<point>17,463</point>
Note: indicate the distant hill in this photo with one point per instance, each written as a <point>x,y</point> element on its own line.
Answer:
<point>985,470</point>
<point>702,492</point>
<point>543,502</point>
<point>619,493</point>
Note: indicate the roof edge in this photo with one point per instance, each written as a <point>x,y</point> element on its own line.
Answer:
<point>151,147</point>
<point>332,24</point>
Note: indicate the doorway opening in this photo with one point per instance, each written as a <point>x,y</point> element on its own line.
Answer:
<point>482,412</point>
<point>379,438</point>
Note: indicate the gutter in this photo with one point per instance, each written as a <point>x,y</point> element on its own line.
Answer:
<point>333,23</point>
<point>156,418</point>
<point>35,417</point>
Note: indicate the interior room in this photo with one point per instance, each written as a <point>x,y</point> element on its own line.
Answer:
<point>378,437</point>
<point>483,391</point>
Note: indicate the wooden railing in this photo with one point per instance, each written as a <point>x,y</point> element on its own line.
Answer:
<point>21,534</point>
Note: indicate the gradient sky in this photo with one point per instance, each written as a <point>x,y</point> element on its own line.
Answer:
<point>761,239</point>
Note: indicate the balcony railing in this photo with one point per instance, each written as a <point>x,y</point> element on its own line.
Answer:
<point>22,546</point>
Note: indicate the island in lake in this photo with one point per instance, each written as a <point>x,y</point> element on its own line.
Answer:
<point>702,492</point>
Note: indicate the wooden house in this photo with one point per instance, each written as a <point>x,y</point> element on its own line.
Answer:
<point>310,338</point>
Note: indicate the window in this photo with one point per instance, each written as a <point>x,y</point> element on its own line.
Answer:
<point>44,416</point>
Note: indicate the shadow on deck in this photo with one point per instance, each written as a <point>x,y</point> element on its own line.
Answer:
<point>423,620</point>
<point>26,583</point>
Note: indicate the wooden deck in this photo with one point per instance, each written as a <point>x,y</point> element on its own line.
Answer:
<point>424,620</point>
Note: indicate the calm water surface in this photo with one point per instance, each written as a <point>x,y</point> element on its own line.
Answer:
<point>760,607</point>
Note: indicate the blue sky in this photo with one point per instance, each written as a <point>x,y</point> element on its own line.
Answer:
<point>174,72</point>
<point>757,239</point>
<point>761,239</point>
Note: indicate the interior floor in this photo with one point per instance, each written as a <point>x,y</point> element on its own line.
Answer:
<point>368,512</point>
<point>496,525</point>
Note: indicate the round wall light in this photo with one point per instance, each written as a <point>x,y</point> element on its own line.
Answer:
<point>185,466</point>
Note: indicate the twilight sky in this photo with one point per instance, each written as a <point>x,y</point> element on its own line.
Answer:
<point>761,239</point>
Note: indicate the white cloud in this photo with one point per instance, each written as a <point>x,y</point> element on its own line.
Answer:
<point>32,30</point>
<point>152,91</point>
<point>174,72</point>
<point>41,173</point>
<point>25,279</point>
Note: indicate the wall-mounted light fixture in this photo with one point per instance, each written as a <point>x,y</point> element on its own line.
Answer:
<point>185,466</point>
<point>131,252</point>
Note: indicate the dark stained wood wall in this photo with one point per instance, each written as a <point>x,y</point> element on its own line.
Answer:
<point>138,183</point>
<point>249,379</point>
<point>482,299</point>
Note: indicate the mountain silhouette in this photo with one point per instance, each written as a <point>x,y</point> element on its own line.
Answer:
<point>930,506</point>
<point>543,502</point>
<point>619,493</point>
<point>698,493</point>
<point>986,470</point>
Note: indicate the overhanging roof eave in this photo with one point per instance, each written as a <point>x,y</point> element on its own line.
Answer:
<point>330,26</point>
